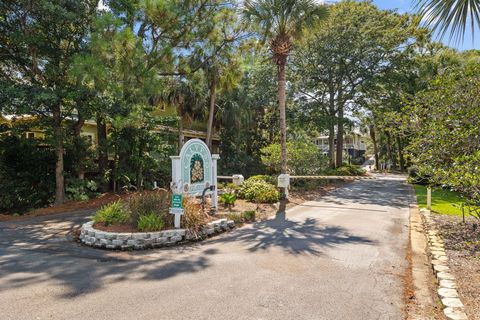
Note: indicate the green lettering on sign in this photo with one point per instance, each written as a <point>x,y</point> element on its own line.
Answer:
<point>177,201</point>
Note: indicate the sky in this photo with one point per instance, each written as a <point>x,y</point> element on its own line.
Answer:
<point>408,6</point>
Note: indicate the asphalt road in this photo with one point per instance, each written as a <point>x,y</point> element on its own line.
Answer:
<point>341,257</point>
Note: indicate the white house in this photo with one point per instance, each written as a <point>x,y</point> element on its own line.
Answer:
<point>353,144</point>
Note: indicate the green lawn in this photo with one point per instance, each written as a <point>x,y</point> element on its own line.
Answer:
<point>443,201</point>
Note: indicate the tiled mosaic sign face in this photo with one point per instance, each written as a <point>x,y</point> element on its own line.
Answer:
<point>196,163</point>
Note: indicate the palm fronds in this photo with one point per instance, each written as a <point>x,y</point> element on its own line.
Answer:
<point>453,16</point>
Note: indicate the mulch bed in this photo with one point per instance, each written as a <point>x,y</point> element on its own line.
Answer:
<point>68,207</point>
<point>462,243</point>
<point>117,228</point>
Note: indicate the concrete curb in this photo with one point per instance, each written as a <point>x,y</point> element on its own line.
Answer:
<point>144,240</point>
<point>453,306</point>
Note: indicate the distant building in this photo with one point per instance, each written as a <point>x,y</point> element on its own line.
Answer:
<point>353,144</point>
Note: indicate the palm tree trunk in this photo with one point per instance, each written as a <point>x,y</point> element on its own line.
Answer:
<point>283,122</point>
<point>59,149</point>
<point>211,112</point>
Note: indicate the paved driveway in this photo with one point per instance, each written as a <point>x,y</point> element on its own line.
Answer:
<point>341,257</point>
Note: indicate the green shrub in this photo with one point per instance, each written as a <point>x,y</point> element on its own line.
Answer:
<point>246,216</point>
<point>304,158</point>
<point>249,215</point>
<point>27,178</point>
<point>228,199</point>
<point>349,170</point>
<point>231,187</point>
<point>416,176</point>
<point>258,191</point>
<point>113,213</point>
<point>263,178</point>
<point>150,222</point>
<point>236,217</point>
<point>148,202</point>
<point>81,190</point>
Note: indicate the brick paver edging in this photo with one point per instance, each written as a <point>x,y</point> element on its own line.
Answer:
<point>145,240</point>
<point>447,287</point>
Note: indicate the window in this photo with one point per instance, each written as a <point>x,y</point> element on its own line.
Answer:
<point>30,135</point>
<point>90,138</point>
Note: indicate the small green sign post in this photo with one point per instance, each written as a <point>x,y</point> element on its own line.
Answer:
<point>177,201</point>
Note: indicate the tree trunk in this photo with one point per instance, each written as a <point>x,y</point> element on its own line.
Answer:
<point>211,113</point>
<point>331,129</point>
<point>389,149</point>
<point>339,159</point>
<point>283,122</point>
<point>102,151</point>
<point>331,144</point>
<point>181,138</point>
<point>77,129</point>
<point>58,136</point>
<point>139,177</point>
<point>400,154</point>
<point>375,145</point>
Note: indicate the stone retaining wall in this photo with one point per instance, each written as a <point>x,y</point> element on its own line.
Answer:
<point>144,240</point>
<point>447,287</point>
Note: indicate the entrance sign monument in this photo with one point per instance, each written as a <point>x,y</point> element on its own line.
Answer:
<point>194,172</point>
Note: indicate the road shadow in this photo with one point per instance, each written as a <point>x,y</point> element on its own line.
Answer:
<point>39,251</point>
<point>293,236</point>
<point>380,192</point>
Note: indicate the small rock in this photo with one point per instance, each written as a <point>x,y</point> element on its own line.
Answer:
<point>139,235</point>
<point>445,276</point>
<point>455,314</point>
<point>447,293</point>
<point>438,262</point>
<point>117,243</point>
<point>181,232</point>
<point>176,239</point>
<point>452,302</point>
<point>440,268</point>
<point>449,284</point>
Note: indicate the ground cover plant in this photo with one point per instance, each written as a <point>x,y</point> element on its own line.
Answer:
<point>228,199</point>
<point>444,201</point>
<point>113,213</point>
<point>258,190</point>
<point>149,211</point>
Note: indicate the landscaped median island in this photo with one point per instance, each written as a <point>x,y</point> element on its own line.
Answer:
<point>144,221</point>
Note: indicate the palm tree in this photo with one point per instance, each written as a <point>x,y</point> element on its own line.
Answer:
<point>450,15</point>
<point>281,22</point>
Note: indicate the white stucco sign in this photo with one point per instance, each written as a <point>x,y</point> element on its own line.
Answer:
<point>194,170</point>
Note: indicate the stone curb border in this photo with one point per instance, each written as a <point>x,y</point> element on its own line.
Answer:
<point>145,240</point>
<point>447,287</point>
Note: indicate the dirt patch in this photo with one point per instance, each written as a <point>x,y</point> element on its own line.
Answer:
<point>462,244</point>
<point>299,196</point>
